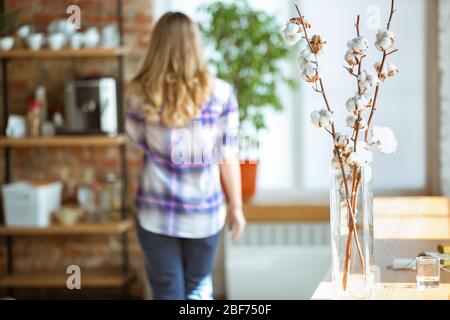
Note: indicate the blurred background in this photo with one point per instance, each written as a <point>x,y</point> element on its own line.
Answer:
<point>285,251</point>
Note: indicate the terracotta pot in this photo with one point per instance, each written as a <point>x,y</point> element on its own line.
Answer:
<point>248,180</point>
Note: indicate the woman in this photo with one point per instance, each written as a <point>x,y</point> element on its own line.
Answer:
<point>186,122</point>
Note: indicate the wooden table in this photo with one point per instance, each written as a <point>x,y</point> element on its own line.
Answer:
<point>404,227</point>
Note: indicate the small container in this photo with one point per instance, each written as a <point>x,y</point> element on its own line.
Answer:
<point>30,204</point>
<point>111,197</point>
<point>428,272</point>
<point>34,118</point>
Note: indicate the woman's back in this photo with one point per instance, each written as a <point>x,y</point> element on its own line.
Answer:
<point>180,180</point>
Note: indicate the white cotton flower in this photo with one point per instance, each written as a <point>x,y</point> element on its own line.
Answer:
<point>362,156</point>
<point>384,139</point>
<point>303,44</point>
<point>358,103</point>
<point>310,72</point>
<point>358,45</point>
<point>352,122</point>
<point>382,74</point>
<point>351,105</point>
<point>321,118</point>
<point>292,33</point>
<point>385,40</point>
<point>352,58</point>
<point>341,140</point>
<point>367,80</point>
<point>291,28</point>
<point>391,69</point>
<point>291,40</point>
<point>306,56</point>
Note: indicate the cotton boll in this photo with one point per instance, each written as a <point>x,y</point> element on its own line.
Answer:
<point>362,156</point>
<point>358,45</point>
<point>351,121</point>
<point>322,118</point>
<point>307,55</point>
<point>351,105</point>
<point>382,74</point>
<point>385,40</point>
<point>315,118</point>
<point>367,80</point>
<point>341,140</point>
<point>311,72</point>
<point>362,125</point>
<point>318,44</point>
<point>303,44</point>
<point>362,102</point>
<point>291,28</point>
<point>357,103</point>
<point>391,69</point>
<point>292,39</point>
<point>351,58</point>
<point>384,139</point>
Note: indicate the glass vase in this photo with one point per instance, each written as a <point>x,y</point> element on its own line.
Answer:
<point>351,221</point>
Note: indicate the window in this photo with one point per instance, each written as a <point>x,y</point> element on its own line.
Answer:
<point>294,155</point>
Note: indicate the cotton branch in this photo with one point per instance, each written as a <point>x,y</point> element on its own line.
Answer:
<point>377,90</point>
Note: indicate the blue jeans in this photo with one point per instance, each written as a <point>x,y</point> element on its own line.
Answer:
<point>179,268</point>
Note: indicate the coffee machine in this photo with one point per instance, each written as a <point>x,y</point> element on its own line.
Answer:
<point>91,106</point>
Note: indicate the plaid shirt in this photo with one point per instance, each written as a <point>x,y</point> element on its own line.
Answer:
<point>179,191</point>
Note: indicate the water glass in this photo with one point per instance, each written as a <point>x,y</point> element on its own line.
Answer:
<point>428,272</point>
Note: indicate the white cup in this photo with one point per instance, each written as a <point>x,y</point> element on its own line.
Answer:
<point>91,38</point>
<point>35,41</point>
<point>110,36</point>
<point>16,127</point>
<point>24,31</point>
<point>6,43</point>
<point>76,41</point>
<point>56,41</point>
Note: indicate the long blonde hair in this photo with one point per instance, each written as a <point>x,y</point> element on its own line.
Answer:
<point>174,80</point>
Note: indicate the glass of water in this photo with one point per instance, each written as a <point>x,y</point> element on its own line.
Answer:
<point>428,272</point>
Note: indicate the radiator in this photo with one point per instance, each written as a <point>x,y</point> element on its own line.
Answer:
<point>277,261</point>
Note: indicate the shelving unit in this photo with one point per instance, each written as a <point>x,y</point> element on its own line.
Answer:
<point>107,228</point>
<point>90,279</point>
<point>63,53</point>
<point>64,141</point>
<point>36,279</point>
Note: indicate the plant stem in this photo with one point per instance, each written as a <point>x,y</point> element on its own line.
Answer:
<point>383,60</point>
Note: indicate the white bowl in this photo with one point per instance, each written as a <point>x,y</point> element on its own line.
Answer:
<point>35,41</point>
<point>56,41</point>
<point>6,43</point>
<point>24,31</point>
<point>76,41</point>
<point>91,38</point>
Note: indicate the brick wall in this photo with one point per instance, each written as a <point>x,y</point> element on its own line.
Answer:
<point>70,164</point>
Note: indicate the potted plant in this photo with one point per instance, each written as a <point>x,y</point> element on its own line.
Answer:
<point>248,49</point>
<point>9,21</point>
